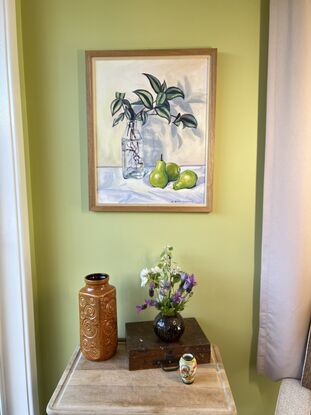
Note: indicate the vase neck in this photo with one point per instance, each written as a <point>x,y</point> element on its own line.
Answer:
<point>170,315</point>
<point>96,280</point>
<point>134,125</point>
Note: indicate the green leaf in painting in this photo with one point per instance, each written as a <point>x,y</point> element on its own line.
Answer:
<point>129,113</point>
<point>115,106</point>
<point>154,82</point>
<point>161,98</point>
<point>166,104</point>
<point>177,120</point>
<point>120,95</point>
<point>188,120</point>
<point>126,102</point>
<point>138,116</point>
<point>145,97</point>
<point>144,117</point>
<point>174,92</point>
<point>163,112</point>
<point>163,86</point>
<point>119,118</point>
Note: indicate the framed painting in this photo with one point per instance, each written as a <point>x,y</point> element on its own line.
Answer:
<point>151,129</point>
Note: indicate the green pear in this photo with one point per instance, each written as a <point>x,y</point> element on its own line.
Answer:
<point>172,171</point>
<point>187,180</point>
<point>158,176</point>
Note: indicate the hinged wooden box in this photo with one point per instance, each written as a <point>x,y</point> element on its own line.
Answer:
<point>147,351</point>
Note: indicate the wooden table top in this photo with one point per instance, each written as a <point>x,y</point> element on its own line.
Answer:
<point>108,387</point>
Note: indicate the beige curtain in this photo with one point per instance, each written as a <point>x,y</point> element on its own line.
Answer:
<point>285,303</point>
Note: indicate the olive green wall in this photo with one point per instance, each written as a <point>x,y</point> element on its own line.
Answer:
<point>69,241</point>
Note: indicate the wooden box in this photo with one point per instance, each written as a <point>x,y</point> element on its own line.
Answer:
<point>146,351</point>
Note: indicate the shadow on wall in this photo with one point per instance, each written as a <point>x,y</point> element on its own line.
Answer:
<point>82,111</point>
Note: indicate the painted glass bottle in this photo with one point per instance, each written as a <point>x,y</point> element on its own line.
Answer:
<point>132,152</point>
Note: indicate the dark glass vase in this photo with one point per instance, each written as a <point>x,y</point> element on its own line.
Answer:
<point>169,328</point>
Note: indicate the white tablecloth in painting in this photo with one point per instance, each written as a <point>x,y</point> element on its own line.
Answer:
<point>113,188</point>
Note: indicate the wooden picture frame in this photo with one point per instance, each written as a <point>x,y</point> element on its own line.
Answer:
<point>164,101</point>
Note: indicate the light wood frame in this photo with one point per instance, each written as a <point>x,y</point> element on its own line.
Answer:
<point>91,57</point>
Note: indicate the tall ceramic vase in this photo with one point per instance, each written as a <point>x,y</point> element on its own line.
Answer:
<point>98,318</point>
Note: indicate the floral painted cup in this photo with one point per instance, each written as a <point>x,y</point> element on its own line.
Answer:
<point>187,368</point>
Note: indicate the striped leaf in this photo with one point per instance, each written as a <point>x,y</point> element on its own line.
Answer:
<point>144,117</point>
<point>126,102</point>
<point>164,113</point>
<point>145,97</point>
<point>166,104</point>
<point>129,113</point>
<point>154,82</point>
<point>115,106</point>
<point>161,98</point>
<point>163,86</point>
<point>189,120</point>
<point>177,120</point>
<point>120,95</point>
<point>174,92</point>
<point>119,118</point>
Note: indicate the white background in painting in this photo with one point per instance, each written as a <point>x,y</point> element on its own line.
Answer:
<point>182,146</point>
<point>112,188</point>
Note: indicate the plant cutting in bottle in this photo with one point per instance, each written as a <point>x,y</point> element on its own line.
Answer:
<point>158,102</point>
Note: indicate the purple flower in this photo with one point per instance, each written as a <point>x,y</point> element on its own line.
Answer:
<point>183,276</point>
<point>166,284</point>
<point>177,297</point>
<point>151,289</point>
<point>189,283</point>
<point>140,308</point>
<point>149,303</point>
<point>183,279</point>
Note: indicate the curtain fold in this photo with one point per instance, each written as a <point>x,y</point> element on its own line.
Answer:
<point>285,299</point>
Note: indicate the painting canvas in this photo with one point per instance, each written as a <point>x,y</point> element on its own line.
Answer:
<point>151,129</point>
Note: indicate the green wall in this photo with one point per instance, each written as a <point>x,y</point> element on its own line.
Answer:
<point>70,242</point>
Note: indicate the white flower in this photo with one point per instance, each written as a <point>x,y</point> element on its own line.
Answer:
<point>156,270</point>
<point>144,276</point>
<point>175,269</point>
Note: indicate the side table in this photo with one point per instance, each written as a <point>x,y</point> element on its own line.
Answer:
<point>108,387</point>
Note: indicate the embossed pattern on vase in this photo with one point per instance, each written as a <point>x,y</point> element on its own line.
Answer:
<point>89,327</point>
<point>98,321</point>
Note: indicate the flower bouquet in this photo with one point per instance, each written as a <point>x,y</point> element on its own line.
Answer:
<point>170,289</point>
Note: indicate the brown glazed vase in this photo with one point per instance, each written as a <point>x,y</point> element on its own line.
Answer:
<point>98,318</point>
